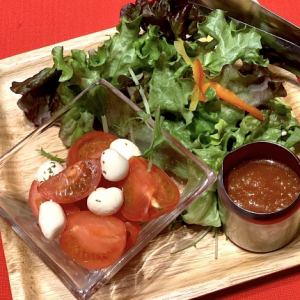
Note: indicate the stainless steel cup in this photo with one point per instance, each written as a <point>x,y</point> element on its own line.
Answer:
<point>258,232</point>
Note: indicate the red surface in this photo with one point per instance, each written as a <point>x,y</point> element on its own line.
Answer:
<point>288,9</point>
<point>5,293</point>
<point>30,24</point>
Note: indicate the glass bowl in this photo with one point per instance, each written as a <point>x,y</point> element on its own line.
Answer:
<point>19,165</point>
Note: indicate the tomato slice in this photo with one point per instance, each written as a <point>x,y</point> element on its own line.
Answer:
<point>108,184</point>
<point>74,183</point>
<point>93,241</point>
<point>35,198</point>
<point>148,194</point>
<point>82,204</point>
<point>133,230</point>
<point>89,146</point>
<point>70,208</point>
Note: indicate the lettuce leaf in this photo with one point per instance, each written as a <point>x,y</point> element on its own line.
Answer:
<point>169,92</point>
<point>253,83</point>
<point>179,130</point>
<point>293,138</point>
<point>203,211</point>
<point>61,65</point>
<point>75,68</point>
<point>39,97</point>
<point>175,19</point>
<point>212,155</point>
<point>118,53</point>
<point>151,46</point>
<point>230,43</point>
<point>75,123</point>
<point>128,49</point>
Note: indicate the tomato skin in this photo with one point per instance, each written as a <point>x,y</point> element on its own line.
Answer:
<point>35,198</point>
<point>89,146</point>
<point>108,184</point>
<point>133,229</point>
<point>82,204</point>
<point>148,194</point>
<point>70,208</point>
<point>120,216</point>
<point>76,182</point>
<point>93,241</point>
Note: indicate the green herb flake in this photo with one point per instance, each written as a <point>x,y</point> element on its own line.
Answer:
<point>52,157</point>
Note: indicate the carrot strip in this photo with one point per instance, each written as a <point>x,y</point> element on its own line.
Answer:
<point>231,98</point>
<point>194,98</point>
<point>179,46</point>
<point>223,93</point>
<point>199,76</point>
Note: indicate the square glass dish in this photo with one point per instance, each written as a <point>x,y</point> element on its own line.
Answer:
<point>125,119</point>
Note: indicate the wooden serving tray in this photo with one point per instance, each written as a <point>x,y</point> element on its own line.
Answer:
<point>155,273</point>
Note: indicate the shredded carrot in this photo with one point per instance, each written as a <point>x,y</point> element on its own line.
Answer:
<point>231,98</point>
<point>179,46</point>
<point>199,76</point>
<point>194,98</point>
<point>226,95</point>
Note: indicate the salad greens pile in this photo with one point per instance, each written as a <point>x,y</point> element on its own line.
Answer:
<point>143,52</point>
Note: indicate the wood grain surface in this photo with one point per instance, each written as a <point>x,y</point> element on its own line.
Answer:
<point>155,273</point>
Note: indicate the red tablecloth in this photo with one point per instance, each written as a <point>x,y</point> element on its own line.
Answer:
<point>30,24</point>
<point>5,293</point>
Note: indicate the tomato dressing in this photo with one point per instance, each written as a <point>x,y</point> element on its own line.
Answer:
<point>262,185</point>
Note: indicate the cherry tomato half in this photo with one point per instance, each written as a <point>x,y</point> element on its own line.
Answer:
<point>148,194</point>
<point>82,204</point>
<point>89,146</point>
<point>70,208</point>
<point>35,198</point>
<point>93,241</point>
<point>133,229</point>
<point>108,184</point>
<point>74,183</point>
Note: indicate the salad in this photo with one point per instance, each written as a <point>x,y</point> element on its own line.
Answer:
<point>100,198</point>
<point>203,73</point>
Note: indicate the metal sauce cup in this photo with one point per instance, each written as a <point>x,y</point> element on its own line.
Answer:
<point>258,232</point>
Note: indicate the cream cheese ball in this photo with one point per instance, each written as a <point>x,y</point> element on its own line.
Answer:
<point>105,202</point>
<point>47,169</point>
<point>113,165</point>
<point>52,219</point>
<point>125,147</point>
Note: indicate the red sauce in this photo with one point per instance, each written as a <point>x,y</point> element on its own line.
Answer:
<point>263,186</point>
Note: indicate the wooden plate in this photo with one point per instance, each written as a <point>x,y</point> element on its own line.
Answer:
<point>155,273</point>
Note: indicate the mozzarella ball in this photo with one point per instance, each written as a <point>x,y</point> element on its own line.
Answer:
<point>52,219</point>
<point>48,169</point>
<point>114,166</point>
<point>105,202</point>
<point>125,147</point>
